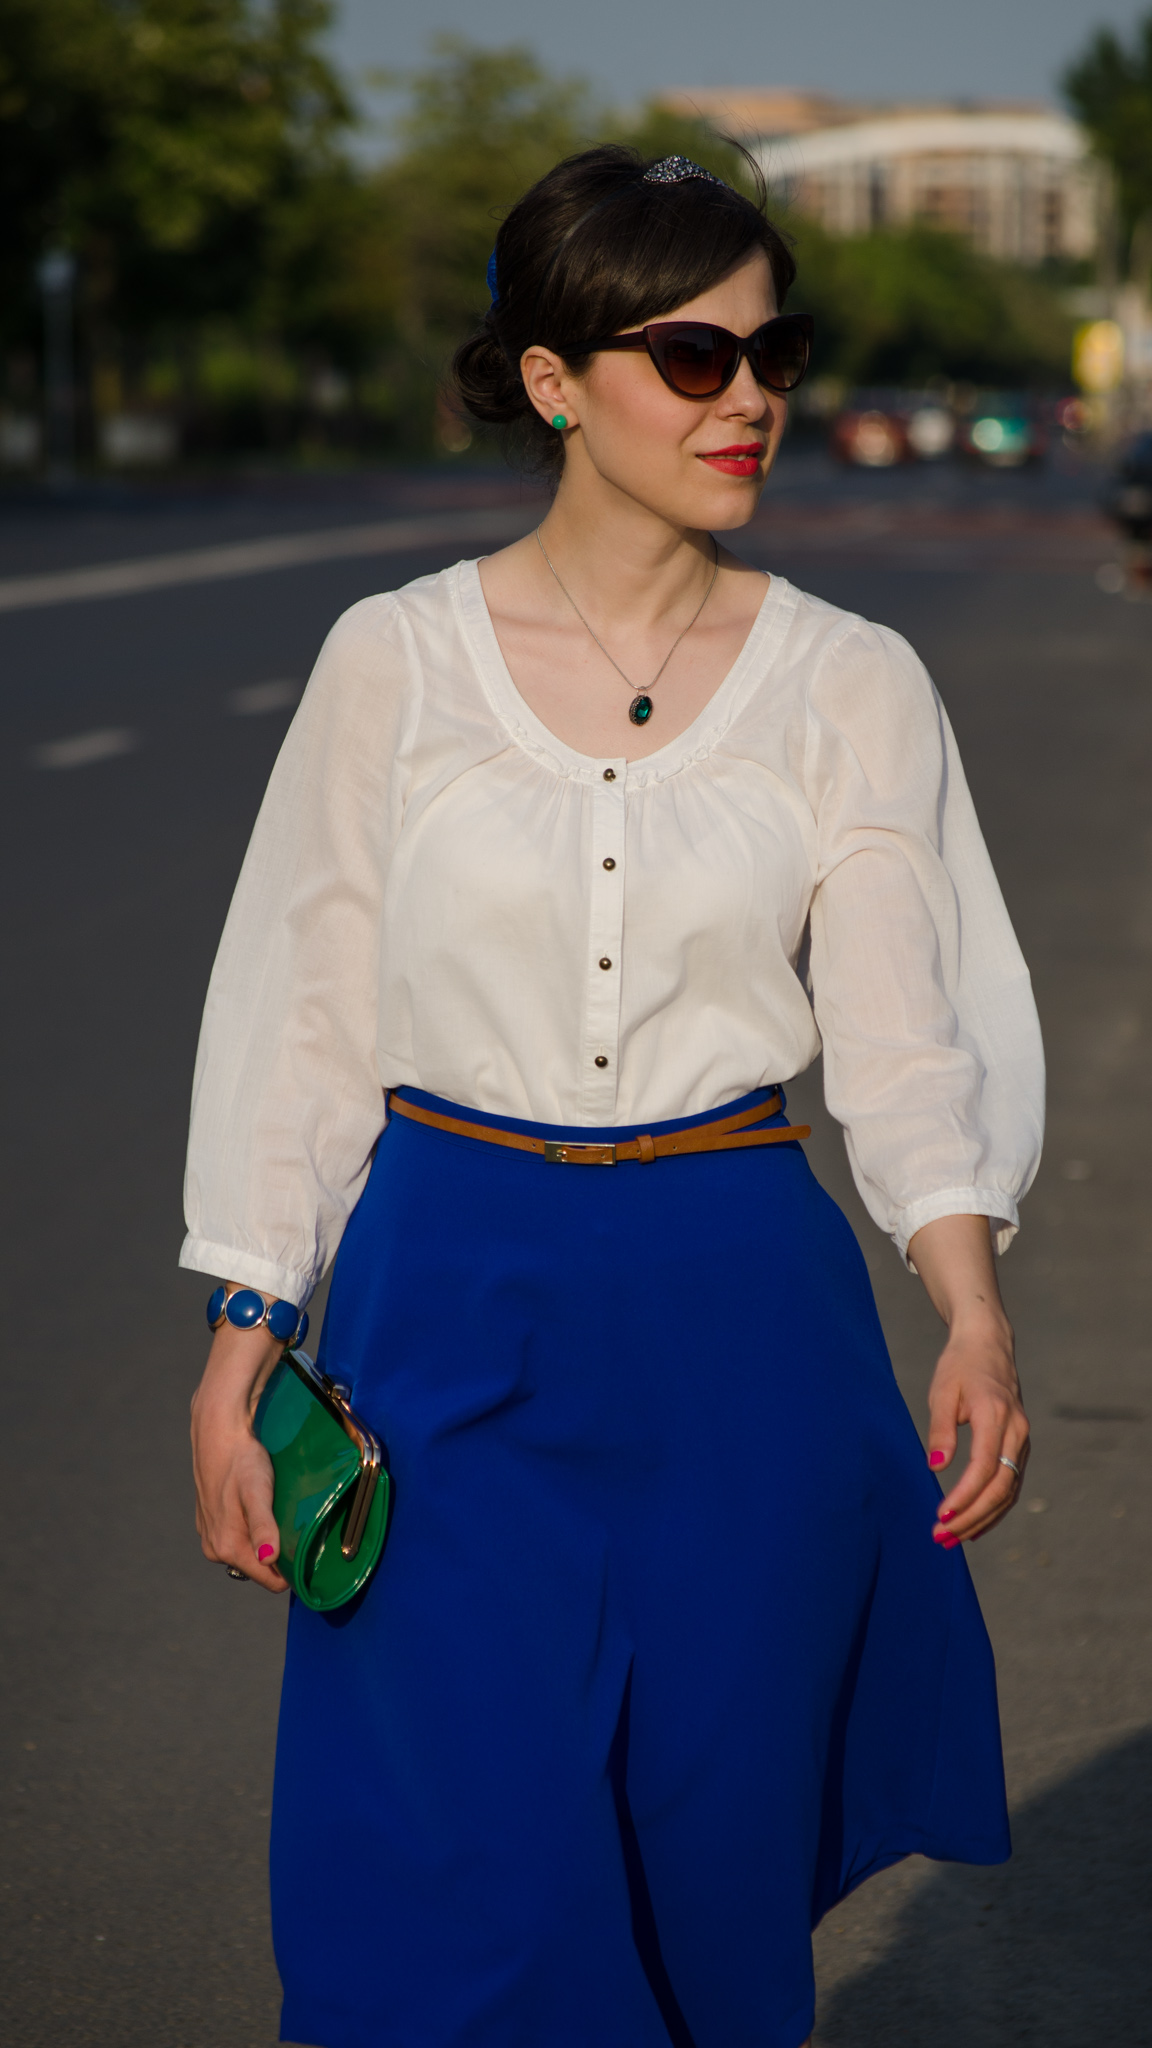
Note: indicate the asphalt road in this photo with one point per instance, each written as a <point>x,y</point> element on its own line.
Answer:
<point>140,1685</point>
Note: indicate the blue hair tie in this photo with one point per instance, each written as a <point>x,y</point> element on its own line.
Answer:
<point>491,278</point>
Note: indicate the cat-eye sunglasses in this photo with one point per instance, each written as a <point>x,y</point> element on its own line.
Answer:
<point>698,360</point>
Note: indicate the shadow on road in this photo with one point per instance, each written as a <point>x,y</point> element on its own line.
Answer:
<point>1055,1946</point>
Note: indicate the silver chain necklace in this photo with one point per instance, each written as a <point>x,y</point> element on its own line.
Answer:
<point>640,709</point>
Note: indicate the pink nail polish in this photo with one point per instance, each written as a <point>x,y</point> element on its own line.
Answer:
<point>945,1514</point>
<point>950,1542</point>
<point>940,1536</point>
<point>935,1458</point>
<point>265,1552</point>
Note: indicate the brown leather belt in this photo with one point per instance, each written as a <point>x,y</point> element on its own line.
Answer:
<point>724,1134</point>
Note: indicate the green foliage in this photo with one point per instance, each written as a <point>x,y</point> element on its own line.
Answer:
<point>482,126</point>
<point>901,306</point>
<point>329,282</point>
<point>166,141</point>
<point>1110,89</point>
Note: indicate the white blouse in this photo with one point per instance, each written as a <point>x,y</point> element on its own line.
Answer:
<point>438,892</point>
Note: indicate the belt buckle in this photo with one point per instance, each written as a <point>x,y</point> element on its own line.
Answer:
<point>562,1152</point>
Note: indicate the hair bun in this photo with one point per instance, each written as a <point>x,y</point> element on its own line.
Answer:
<point>491,387</point>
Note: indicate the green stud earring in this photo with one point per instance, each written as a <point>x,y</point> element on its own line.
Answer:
<point>559,422</point>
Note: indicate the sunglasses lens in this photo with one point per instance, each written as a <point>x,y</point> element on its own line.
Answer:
<point>780,354</point>
<point>696,360</point>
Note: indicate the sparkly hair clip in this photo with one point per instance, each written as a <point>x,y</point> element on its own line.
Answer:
<point>490,276</point>
<point>673,170</point>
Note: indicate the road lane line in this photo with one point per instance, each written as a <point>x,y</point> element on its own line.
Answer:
<point>256,557</point>
<point>85,748</point>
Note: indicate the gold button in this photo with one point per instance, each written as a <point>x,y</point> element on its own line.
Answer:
<point>609,775</point>
<point>609,864</point>
<point>605,961</point>
<point>601,1060</point>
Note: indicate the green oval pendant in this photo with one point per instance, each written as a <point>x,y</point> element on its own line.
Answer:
<point>640,710</point>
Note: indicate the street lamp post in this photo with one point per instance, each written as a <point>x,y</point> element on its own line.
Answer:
<point>56,276</point>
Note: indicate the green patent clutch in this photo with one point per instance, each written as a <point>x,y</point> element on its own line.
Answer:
<point>332,1495</point>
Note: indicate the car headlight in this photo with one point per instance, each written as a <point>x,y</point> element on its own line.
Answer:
<point>988,436</point>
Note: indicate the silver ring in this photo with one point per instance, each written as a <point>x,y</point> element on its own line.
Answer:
<point>233,1573</point>
<point>1012,1466</point>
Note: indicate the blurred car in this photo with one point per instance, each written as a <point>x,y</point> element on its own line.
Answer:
<point>870,431</point>
<point>1004,430</point>
<point>931,430</point>
<point>1073,416</point>
<point>1129,498</point>
<point>877,429</point>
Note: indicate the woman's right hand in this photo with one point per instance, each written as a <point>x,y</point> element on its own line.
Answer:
<point>233,1471</point>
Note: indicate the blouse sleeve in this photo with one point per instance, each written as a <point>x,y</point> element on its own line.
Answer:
<point>933,1062</point>
<point>287,1104</point>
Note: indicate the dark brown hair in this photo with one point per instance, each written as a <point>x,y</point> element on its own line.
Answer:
<point>592,249</point>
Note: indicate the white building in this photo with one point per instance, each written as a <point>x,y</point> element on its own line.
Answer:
<point>1018,182</point>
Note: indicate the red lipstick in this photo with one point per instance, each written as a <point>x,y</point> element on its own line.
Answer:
<point>743,459</point>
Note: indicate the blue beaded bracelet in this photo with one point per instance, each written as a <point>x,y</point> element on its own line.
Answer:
<point>247,1310</point>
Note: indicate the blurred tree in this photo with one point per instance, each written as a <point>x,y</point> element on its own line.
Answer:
<point>1110,89</point>
<point>902,306</point>
<point>482,125</point>
<point>167,142</point>
<point>54,65</point>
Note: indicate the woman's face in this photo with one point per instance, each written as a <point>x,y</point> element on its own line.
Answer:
<point>695,462</point>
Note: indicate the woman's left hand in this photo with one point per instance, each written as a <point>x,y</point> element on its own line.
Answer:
<point>975,1380</point>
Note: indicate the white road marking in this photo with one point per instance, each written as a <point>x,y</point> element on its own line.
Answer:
<point>85,748</point>
<point>255,557</point>
<point>255,698</point>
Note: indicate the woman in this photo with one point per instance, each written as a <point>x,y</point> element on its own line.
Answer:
<point>673,1642</point>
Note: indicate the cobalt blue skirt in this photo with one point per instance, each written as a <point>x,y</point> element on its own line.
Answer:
<point>661,1660</point>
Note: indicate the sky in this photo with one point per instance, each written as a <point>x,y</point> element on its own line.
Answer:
<point>870,49</point>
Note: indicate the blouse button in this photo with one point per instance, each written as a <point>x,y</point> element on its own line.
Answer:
<point>601,1060</point>
<point>609,775</point>
<point>609,864</point>
<point>605,963</point>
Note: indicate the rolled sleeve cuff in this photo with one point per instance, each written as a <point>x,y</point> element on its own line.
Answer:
<point>224,1262</point>
<point>995,1203</point>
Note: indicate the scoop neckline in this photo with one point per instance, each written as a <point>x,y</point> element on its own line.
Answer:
<point>531,731</point>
